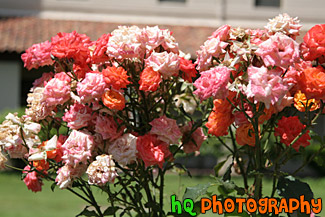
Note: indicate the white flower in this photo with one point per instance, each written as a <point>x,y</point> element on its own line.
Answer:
<point>285,24</point>
<point>102,170</point>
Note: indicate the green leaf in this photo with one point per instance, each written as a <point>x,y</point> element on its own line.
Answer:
<point>53,186</point>
<point>111,210</point>
<point>218,167</point>
<point>196,191</point>
<point>87,212</point>
<point>287,188</point>
<point>227,175</point>
<point>236,214</point>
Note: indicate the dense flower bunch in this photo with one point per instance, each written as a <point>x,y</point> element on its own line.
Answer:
<point>257,80</point>
<point>105,108</point>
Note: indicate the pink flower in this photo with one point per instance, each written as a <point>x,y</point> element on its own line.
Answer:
<point>257,36</point>
<point>125,43</point>
<point>78,116</point>
<point>196,138</point>
<point>279,50</point>
<point>32,181</point>
<point>166,129</point>
<point>67,174</point>
<point>40,82</point>
<point>213,82</point>
<point>167,64</point>
<point>37,55</point>
<point>152,151</point>
<point>107,127</point>
<point>92,87</point>
<point>222,33</point>
<point>266,85</point>
<point>102,170</point>
<point>57,90</point>
<point>77,148</point>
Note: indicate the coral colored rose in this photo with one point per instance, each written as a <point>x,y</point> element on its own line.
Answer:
<point>32,181</point>
<point>188,69</point>
<point>213,83</point>
<point>288,129</point>
<point>37,55</point>
<point>99,49</point>
<point>80,70</point>
<point>195,140</point>
<point>165,63</point>
<point>152,151</point>
<point>107,127</point>
<point>113,100</point>
<point>222,33</point>
<point>279,50</point>
<point>221,116</point>
<point>41,165</point>
<point>92,87</point>
<point>313,46</point>
<point>78,116</point>
<point>166,129</point>
<point>116,77</point>
<point>300,102</point>
<point>71,46</point>
<point>57,153</point>
<point>312,83</point>
<point>149,79</point>
<point>245,135</point>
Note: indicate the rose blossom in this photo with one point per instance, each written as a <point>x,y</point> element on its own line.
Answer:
<point>279,50</point>
<point>188,69</point>
<point>78,116</point>
<point>113,100</point>
<point>116,77</point>
<point>99,48</point>
<point>313,46</point>
<point>77,148</point>
<point>37,55</point>
<point>166,129</point>
<point>92,87</point>
<point>67,174</point>
<point>152,151</point>
<point>312,83</point>
<point>196,138</point>
<point>221,32</point>
<point>3,160</point>
<point>149,79</point>
<point>123,149</point>
<point>165,63</point>
<point>57,90</point>
<point>266,85</point>
<point>213,82</point>
<point>285,24</point>
<point>107,127</point>
<point>32,181</point>
<point>101,171</point>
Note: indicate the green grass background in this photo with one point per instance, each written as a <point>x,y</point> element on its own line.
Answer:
<point>17,201</point>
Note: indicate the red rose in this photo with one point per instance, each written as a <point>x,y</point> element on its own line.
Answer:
<point>188,69</point>
<point>313,46</point>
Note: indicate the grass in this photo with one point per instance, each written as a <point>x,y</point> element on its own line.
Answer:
<point>17,201</point>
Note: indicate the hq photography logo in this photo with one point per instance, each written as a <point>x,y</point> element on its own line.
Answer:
<point>262,206</point>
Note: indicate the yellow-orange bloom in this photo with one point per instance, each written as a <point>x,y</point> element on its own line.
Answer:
<point>245,135</point>
<point>300,102</point>
<point>113,100</point>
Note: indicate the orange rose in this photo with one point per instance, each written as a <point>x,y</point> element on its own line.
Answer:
<point>41,165</point>
<point>300,101</point>
<point>149,79</point>
<point>116,77</point>
<point>113,100</point>
<point>313,83</point>
<point>245,135</point>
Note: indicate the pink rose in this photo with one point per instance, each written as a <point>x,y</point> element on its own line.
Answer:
<point>196,138</point>
<point>166,129</point>
<point>78,116</point>
<point>92,87</point>
<point>57,90</point>
<point>213,82</point>
<point>107,127</point>
<point>32,181</point>
<point>167,64</point>
<point>279,50</point>
<point>222,33</point>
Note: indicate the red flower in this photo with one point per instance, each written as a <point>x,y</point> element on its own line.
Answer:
<point>313,46</point>
<point>188,69</point>
<point>100,47</point>
<point>152,151</point>
<point>312,83</point>
<point>32,181</point>
<point>149,79</point>
<point>116,77</point>
<point>288,129</point>
<point>71,46</point>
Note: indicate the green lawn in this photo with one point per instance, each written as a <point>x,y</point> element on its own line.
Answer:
<point>17,201</point>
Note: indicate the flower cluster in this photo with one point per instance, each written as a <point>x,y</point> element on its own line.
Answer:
<point>104,106</point>
<point>250,72</point>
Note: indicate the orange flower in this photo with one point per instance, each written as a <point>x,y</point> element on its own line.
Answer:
<point>113,100</point>
<point>245,135</point>
<point>313,83</point>
<point>300,101</point>
<point>41,165</point>
<point>221,117</point>
<point>266,115</point>
<point>116,77</point>
<point>149,79</point>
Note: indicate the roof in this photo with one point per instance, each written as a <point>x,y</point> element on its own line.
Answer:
<point>18,34</point>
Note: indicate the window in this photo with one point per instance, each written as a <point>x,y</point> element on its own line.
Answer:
<point>172,1</point>
<point>267,3</point>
